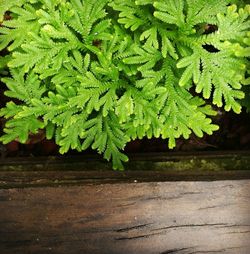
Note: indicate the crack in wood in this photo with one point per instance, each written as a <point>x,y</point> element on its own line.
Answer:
<point>164,228</point>
<point>215,206</point>
<point>239,232</point>
<point>191,192</point>
<point>214,251</point>
<point>175,250</point>
<point>126,205</point>
<point>92,217</point>
<point>234,225</point>
<point>160,198</point>
<point>190,225</point>
<point>207,251</point>
<point>137,237</point>
<point>132,228</point>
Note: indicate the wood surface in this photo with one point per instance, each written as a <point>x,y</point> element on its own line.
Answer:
<point>168,217</point>
<point>159,167</point>
<point>75,206</point>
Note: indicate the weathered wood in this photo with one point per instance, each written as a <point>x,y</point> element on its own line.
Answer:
<point>142,211</point>
<point>212,160</point>
<point>168,217</point>
<point>26,179</point>
<point>53,171</point>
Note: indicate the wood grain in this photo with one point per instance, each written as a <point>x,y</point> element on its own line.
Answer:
<point>129,218</point>
<point>56,171</point>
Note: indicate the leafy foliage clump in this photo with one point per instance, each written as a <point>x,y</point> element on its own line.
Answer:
<point>98,73</point>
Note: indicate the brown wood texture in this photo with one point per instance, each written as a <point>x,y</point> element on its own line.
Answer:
<point>55,171</point>
<point>160,204</point>
<point>160,218</point>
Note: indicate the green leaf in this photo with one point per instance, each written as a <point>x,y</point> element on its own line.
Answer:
<point>24,88</point>
<point>20,129</point>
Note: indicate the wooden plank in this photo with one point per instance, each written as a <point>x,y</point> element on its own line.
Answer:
<point>26,179</point>
<point>129,218</point>
<point>220,159</point>
<point>54,171</point>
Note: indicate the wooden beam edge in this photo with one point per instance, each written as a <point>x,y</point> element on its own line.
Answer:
<point>56,171</point>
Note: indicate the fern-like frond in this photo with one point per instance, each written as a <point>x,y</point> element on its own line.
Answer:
<point>7,5</point>
<point>15,31</point>
<point>20,129</point>
<point>204,11</point>
<point>131,14</point>
<point>24,88</point>
<point>171,12</point>
<point>147,56</point>
<point>181,116</point>
<point>98,73</point>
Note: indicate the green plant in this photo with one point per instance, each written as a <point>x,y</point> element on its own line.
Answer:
<point>99,73</point>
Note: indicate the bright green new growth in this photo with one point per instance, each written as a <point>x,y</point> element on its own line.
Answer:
<point>98,73</point>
